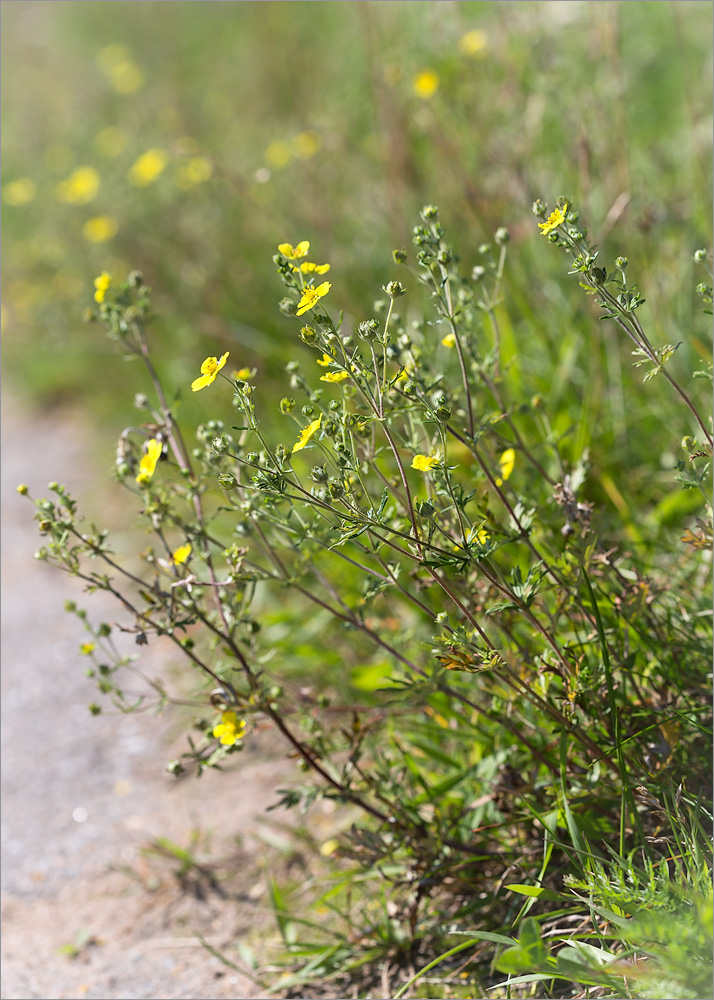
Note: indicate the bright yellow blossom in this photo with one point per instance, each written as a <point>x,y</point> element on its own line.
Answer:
<point>148,167</point>
<point>86,648</point>
<point>80,187</point>
<point>209,370</point>
<point>505,464</point>
<point>449,340</point>
<point>147,465</point>
<point>473,42</point>
<point>555,219</point>
<point>307,268</point>
<point>306,433</point>
<point>181,554</point>
<point>334,376</point>
<point>100,229</point>
<point>424,463</point>
<point>294,252</point>
<point>311,296</point>
<point>325,360</point>
<point>19,192</point>
<point>230,729</point>
<point>101,285</point>
<point>243,374</point>
<point>426,84</point>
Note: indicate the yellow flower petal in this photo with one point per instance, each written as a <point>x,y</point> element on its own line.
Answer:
<point>426,84</point>
<point>209,369</point>
<point>80,187</point>
<point>505,464</point>
<point>181,554</point>
<point>334,377</point>
<point>19,192</point>
<point>311,296</point>
<point>308,268</point>
<point>100,229</point>
<point>306,433</point>
<point>294,253</point>
<point>449,340</point>
<point>325,360</point>
<point>147,465</point>
<point>473,42</point>
<point>148,167</point>
<point>423,463</point>
<point>555,219</point>
<point>101,285</point>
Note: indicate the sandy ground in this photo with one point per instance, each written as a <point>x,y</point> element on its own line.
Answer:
<point>83,796</point>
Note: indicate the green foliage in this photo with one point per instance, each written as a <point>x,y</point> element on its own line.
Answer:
<point>497,682</point>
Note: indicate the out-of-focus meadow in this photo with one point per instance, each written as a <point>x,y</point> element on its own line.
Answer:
<point>188,139</point>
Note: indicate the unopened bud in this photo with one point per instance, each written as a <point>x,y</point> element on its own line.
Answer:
<point>502,236</point>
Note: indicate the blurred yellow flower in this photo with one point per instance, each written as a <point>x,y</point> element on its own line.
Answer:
<point>149,166</point>
<point>294,252</point>
<point>325,360</point>
<point>334,377</point>
<point>311,296</point>
<point>505,464</point>
<point>555,219</point>
<point>101,284</point>
<point>147,465</point>
<point>244,373</point>
<point>80,187</point>
<point>209,370</point>
<point>329,847</point>
<point>110,142</point>
<point>124,75</point>
<point>197,171</point>
<point>306,144</point>
<point>100,229</point>
<point>19,192</point>
<point>306,433</point>
<point>230,729</point>
<point>307,268</point>
<point>277,154</point>
<point>181,554</point>
<point>426,84</point>
<point>423,463</point>
<point>479,535</point>
<point>473,42</point>
<point>449,340</point>
<point>86,648</point>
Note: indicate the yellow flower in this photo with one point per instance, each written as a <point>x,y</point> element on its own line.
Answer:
<point>306,144</point>
<point>243,374</point>
<point>80,187</point>
<point>110,142</point>
<point>479,535</point>
<point>334,376</point>
<point>209,370</point>
<point>555,219</point>
<point>311,296</point>
<point>197,171</point>
<point>147,465</point>
<point>19,192</point>
<point>148,167</point>
<point>181,554</point>
<point>325,360</point>
<point>294,252</point>
<point>473,42</point>
<point>124,75</point>
<point>449,340</point>
<point>307,268</point>
<point>423,463</point>
<point>101,284</point>
<point>100,229</point>
<point>86,648</point>
<point>230,730</point>
<point>306,433</point>
<point>329,847</point>
<point>426,84</point>
<point>505,464</point>
<point>277,154</point>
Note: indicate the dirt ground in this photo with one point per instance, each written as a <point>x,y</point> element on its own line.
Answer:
<point>86,912</point>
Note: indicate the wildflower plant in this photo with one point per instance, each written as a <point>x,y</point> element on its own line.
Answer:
<point>496,680</point>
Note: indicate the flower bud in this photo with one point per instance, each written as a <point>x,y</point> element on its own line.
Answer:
<point>477,273</point>
<point>23,489</point>
<point>409,388</point>
<point>287,405</point>
<point>227,482</point>
<point>220,444</point>
<point>318,474</point>
<point>443,413</point>
<point>141,401</point>
<point>307,410</point>
<point>336,488</point>
<point>394,289</point>
<point>291,366</point>
<point>445,256</point>
<point>368,329</point>
<point>484,248</point>
<point>308,335</point>
<point>621,262</point>
<point>399,256</point>
<point>538,208</point>
<point>502,236</point>
<point>425,508</point>
<point>252,457</point>
<point>700,256</point>
<point>288,307</point>
<point>599,275</point>
<point>175,767</point>
<point>430,213</point>
<point>135,279</point>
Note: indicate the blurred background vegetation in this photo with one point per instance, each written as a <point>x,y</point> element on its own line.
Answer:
<point>188,139</point>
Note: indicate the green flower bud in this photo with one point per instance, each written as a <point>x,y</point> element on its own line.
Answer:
<point>227,482</point>
<point>538,208</point>
<point>425,508</point>
<point>368,329</point>
<point>141,402</point>
<point>95,709</point>
<point>336,488</point>
<point>502,236</point>
<point>599,275</point>
<point>443,413</point>
<point>621,262</point>
<point>409,388</point>
<point>394,289</point>
<point>104,629</point>
<point>445,256</point>
<point>308,335</point>
<point>288,307</point>
<point>484,248</point>
<point>252,457</point>
<point>291,366</point>
<point>477,273</point>
<point>307,410</point>
<point>287,405</point>
<point>700,256</point>
<point>399,256</point>
<point>318,474</point>
<point>429,213</point>
<point>175,767</point>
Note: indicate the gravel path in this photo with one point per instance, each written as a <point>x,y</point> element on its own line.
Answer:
<point>82,795</point>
